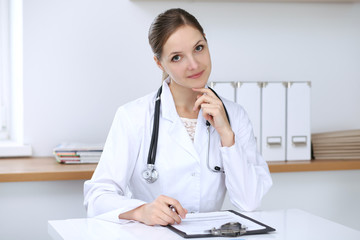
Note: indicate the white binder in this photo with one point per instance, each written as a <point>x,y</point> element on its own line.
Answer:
<point>279,113</point>
<point>224,89</point>
<point>298,122</point>
<point>273,121</point>
<point>248,95</point>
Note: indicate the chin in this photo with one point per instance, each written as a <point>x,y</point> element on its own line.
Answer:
<point>200,84</point>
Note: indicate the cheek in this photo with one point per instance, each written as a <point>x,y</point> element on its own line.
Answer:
<point>207,58</point>
<point>176,69</point>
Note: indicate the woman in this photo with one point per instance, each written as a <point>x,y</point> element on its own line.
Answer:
<point>118,190</point>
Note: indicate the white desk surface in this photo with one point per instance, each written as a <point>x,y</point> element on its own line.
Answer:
<point>292,224</point>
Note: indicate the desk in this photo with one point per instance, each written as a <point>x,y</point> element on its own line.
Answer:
<point>292,224</point>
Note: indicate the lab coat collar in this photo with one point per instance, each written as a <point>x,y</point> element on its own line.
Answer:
<point>168,106</point>
<point>168,112</point>
<point>176,130</point>
<point>168,109</point>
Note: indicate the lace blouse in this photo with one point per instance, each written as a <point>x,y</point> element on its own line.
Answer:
<point>190,125</point>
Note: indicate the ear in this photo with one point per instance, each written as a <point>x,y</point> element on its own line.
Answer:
<point>158,63</point>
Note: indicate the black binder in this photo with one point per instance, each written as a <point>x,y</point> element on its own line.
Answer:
<point>267,229</point>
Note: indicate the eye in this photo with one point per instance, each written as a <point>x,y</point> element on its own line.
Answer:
<point>199,48</point>
<point>175,58</point>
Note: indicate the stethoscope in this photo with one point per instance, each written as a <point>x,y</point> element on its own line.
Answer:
<point>150,174</point>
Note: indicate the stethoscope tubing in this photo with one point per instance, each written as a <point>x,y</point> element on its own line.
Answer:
<point>150,174</point>
<point>155,133</point>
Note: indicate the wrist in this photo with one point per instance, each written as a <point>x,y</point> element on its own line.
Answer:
<point>137,213</point>
<point>227,138</point>
<point>134,214</point>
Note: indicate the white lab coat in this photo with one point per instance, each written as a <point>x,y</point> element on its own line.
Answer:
<point>181,163</point>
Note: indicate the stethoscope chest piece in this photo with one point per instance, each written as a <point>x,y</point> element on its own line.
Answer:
<point>150,174</point>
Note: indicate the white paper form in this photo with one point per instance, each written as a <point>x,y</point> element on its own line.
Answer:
<point>201,223</point>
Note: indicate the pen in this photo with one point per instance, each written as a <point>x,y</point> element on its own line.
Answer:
<point>172,208</point>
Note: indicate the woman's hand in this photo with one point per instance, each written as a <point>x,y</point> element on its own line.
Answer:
<point>157,212</point>
<point>214,112</point>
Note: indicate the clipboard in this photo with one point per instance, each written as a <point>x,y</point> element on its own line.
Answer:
<point>262,229</point>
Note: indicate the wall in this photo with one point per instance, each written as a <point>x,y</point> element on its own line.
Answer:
<point>26,207</point>
<point>83,59</point>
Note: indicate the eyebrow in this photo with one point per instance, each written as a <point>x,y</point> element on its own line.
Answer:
<point>175,53</point>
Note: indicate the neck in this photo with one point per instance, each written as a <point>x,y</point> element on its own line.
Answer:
<point>184,99</point>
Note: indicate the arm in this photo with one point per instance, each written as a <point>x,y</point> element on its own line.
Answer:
<point>247,175</point>
<point>106,192</point>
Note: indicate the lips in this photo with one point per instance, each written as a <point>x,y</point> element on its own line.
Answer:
<point>196,75</point>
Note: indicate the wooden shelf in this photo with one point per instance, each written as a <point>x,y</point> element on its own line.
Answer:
<point>47,169</point>
<point>265,1</point>
<point>42,169</point>
<point>314,165</point>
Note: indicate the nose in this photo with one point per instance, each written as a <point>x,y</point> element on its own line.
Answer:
<point>192,63</point>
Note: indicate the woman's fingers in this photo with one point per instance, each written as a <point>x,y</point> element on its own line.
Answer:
<point>210,112</point>
<point>159,211</point>
<point>203,90</point>
<point>161,220</point>
<point>207,97</point>
<point>175,204</point>
<point>169,218</point>
<point>214,112</point>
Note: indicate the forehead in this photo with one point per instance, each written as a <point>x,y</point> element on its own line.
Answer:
<point>183,38</point>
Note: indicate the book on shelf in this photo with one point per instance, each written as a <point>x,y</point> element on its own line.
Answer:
<point>70,153</point>
<point>336,145</point>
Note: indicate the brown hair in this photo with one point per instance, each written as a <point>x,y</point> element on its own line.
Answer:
<point>166,24</point>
